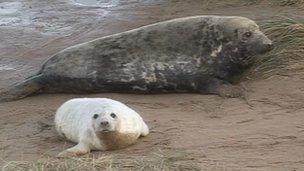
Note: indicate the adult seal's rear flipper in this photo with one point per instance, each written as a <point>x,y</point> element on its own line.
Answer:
<point>20,90</point>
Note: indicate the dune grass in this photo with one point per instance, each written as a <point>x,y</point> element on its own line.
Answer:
<point>294,3</point>
<point>288,55</point>
<point>216,3</point>
<point>155,162</point>
<point>299,3</point>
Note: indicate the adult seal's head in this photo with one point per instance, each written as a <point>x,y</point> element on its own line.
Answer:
<point>247,36</point>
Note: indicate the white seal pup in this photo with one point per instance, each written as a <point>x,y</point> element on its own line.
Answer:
<point>98,124</point>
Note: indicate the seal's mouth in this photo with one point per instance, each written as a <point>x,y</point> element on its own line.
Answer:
<point>105,131</point>
<point>267,48</point>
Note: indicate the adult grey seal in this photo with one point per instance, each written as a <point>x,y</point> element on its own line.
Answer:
<point>193,54</point>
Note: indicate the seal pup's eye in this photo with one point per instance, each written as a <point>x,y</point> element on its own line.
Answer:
<point>113,115</point>
<point>248,34</point>
<point>95,116</point>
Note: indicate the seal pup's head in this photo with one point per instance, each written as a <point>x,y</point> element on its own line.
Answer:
<point>107,128</point>
<point>105,122</point>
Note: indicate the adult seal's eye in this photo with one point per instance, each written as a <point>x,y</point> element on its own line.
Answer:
<point>248,34</point>
<point>95,116</point>
<point>113,115</point>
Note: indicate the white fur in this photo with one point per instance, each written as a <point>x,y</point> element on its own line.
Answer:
<point>74,120</point>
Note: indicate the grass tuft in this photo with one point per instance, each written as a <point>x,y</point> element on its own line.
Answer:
<point>294,3</point>
<point>289,2</point>
<point>232,3</point>
<point>157,161</point>
<point>288,55</point>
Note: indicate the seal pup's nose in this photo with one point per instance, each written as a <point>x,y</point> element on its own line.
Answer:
<point>104,123</point>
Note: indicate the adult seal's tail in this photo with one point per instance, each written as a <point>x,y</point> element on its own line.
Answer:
<point>27,87</point>
<point>200,54</point>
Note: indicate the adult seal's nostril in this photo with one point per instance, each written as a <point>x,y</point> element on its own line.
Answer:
<point>270,46</point>
<point>105,123</point>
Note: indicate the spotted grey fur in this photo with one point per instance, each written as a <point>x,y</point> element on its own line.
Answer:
<point>193,54</point>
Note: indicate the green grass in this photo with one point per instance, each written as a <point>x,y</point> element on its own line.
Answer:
<point>288,55</point>
<point>160,161</point>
